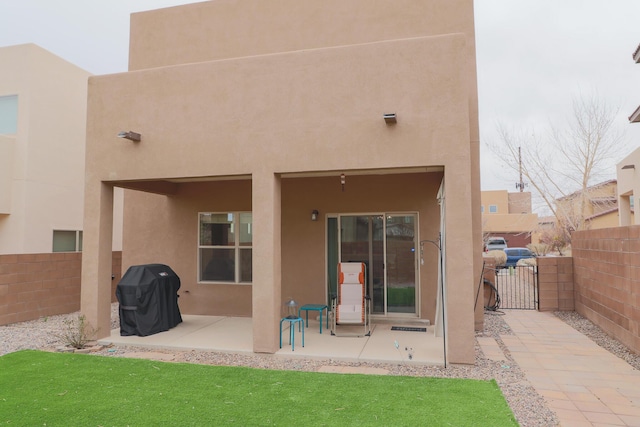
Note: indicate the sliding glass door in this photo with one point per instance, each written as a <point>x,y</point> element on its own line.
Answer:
<point>386,244</point>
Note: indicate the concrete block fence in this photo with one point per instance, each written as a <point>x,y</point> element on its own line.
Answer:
<point>38,285</point>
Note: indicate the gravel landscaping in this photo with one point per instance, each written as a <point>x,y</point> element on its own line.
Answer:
<point>528,406</point>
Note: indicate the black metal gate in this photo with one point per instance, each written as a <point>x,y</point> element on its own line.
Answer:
<point>517,287</point>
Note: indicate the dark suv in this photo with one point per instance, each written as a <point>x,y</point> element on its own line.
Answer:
<point>516,254</point>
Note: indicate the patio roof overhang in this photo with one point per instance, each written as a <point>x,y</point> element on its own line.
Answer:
<point>169,186</point>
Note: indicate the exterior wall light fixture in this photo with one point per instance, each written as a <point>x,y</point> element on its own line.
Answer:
<point>629,167</point>
<point>131,136</point>
<point>390,118</point>
<point>343,180</point>
<point>314,215</point>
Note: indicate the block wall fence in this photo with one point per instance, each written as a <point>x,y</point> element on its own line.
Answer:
<point>600,281</point>
<point>46,284</point>
<point>606,266</point>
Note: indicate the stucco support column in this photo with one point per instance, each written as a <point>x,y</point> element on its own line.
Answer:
<point>624,210</point>
<point>460,331</point>
<point>95,297</point>
<point>266,290</point>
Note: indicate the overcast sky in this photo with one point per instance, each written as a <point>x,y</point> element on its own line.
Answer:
<point>533,56</point>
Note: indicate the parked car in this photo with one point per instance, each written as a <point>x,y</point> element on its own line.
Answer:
<point>495,244</point>
<point>516,254</point>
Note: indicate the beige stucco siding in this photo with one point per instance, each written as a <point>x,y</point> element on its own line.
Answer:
<point>43,162</point>
<point>260,106</point>
<point>224,29</point>
<point>233,115</point>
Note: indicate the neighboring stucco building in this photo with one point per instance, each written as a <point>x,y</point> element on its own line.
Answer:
<point>252,115</point>
<point>628,179</point>
<point>43,101</point>
<point>508,215</point>
<point>597,205</point>
<point>628,188</point>
<point>43,105</point>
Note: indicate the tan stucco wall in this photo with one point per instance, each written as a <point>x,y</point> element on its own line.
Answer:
<point>498,198</point>
<point>47,154</point>
<point>224,29</point>
<point>42,165</point>
<point>280,121</point>
<point>513,213</point>
<point>509,223</point>
<point>608,220</point>
<point>629,187</point>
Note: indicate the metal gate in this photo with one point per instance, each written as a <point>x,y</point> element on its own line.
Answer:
<point>517,287</point>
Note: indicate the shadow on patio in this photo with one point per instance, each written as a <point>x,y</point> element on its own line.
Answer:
<point>235,334</point>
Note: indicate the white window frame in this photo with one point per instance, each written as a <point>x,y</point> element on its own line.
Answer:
<point>237,247</point>
<point>493,208</point>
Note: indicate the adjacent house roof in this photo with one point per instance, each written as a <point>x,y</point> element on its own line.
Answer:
<point>602,213</point>
<point>635,116</point>
<point>591,187</point>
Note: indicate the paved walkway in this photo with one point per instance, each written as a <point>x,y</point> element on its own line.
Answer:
<point>583,383</point>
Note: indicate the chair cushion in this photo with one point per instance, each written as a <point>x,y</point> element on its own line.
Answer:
<point>351,294</point>
<point>349,314</point>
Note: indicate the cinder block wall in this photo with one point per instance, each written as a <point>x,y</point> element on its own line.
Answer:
<point>555,284</point>
<point>607,280</point>
<point>37,285</point>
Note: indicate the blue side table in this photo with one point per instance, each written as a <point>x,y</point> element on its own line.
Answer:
<point>292,321</point>
<point>315,307</point>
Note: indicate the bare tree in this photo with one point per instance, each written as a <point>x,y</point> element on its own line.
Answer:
<point>562,166</point>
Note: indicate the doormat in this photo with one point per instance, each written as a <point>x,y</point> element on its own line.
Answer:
<point>408,329</point>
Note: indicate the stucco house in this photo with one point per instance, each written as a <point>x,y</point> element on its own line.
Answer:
<point>508,215</point>
<point>264,142</point>
<point>43,104</point>
<point>42,146</point>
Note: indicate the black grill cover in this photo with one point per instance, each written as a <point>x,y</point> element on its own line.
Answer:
<point>148,297</point>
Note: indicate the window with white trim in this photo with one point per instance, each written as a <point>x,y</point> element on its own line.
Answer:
<point>67,240</point>
<point>493,208</point>
<point>224,247</point>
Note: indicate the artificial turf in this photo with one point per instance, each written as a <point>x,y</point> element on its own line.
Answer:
<point>62,389</point>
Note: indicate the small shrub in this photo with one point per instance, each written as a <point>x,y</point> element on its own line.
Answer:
<point>530,262</point>
<point>499,256</point>
<point>540,249</point>
<point>77,332</point>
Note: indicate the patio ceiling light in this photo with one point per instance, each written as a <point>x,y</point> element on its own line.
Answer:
<point>131,136</point>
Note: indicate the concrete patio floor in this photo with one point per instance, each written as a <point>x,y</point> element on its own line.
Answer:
<point>235,334</point>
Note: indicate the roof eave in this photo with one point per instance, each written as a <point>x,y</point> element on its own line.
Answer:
<point>636,55</point>
<point>635,116</point>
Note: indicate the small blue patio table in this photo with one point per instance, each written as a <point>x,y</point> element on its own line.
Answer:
<point>315,307</point>
<point>292,321</point>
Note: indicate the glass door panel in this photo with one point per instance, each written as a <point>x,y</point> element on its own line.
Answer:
<point>362,240</point>
<point>391,281</point>
<point>401,264</point>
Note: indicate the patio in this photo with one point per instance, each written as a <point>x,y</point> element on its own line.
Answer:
<point>235,334</point>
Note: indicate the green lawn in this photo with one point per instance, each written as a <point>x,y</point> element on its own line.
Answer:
<point>63,389</point>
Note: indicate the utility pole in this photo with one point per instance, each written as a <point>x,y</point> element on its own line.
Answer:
<point>521,183</point>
